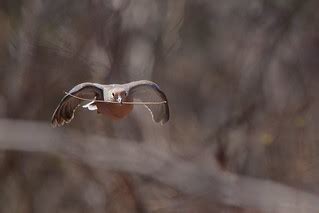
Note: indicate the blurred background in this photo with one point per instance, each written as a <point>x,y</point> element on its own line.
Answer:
<point>241,77</point>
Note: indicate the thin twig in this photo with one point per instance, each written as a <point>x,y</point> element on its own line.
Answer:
<point>114,102</point>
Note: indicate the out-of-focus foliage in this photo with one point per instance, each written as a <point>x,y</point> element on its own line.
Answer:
<point>240,76</point>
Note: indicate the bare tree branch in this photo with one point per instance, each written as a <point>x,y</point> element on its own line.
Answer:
<point>31,11</point>
<point>189,177</point>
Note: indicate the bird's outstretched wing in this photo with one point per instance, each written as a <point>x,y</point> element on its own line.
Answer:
<point>64,113</point>
<point>148,91</point>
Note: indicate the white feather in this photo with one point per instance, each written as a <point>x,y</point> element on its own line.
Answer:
<point>89,106</point>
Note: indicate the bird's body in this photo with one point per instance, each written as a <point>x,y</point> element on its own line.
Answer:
<point>115,100</point>
<point>114,110</point>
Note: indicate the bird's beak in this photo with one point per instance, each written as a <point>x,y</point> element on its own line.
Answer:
<point>119,99</point>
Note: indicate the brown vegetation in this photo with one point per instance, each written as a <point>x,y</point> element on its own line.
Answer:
<point>241,79</point>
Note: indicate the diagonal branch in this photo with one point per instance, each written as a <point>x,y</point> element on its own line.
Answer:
<point>188,177</point>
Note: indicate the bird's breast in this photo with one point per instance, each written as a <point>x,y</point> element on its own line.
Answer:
<point>115,111</point>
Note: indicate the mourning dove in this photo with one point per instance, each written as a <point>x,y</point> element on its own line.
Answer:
<point>114,100</point>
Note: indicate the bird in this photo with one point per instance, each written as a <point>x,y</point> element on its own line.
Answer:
<point>115,101</point>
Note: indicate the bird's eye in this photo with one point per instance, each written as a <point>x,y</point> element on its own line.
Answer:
<point>113,94</point>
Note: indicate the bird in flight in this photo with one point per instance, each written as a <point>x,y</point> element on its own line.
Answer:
<point>114,100</point>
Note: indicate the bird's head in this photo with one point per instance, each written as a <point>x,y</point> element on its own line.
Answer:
<point>118,95</point>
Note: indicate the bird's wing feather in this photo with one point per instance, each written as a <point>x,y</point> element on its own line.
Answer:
<point>148,91</point>
<point>64,113</point>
